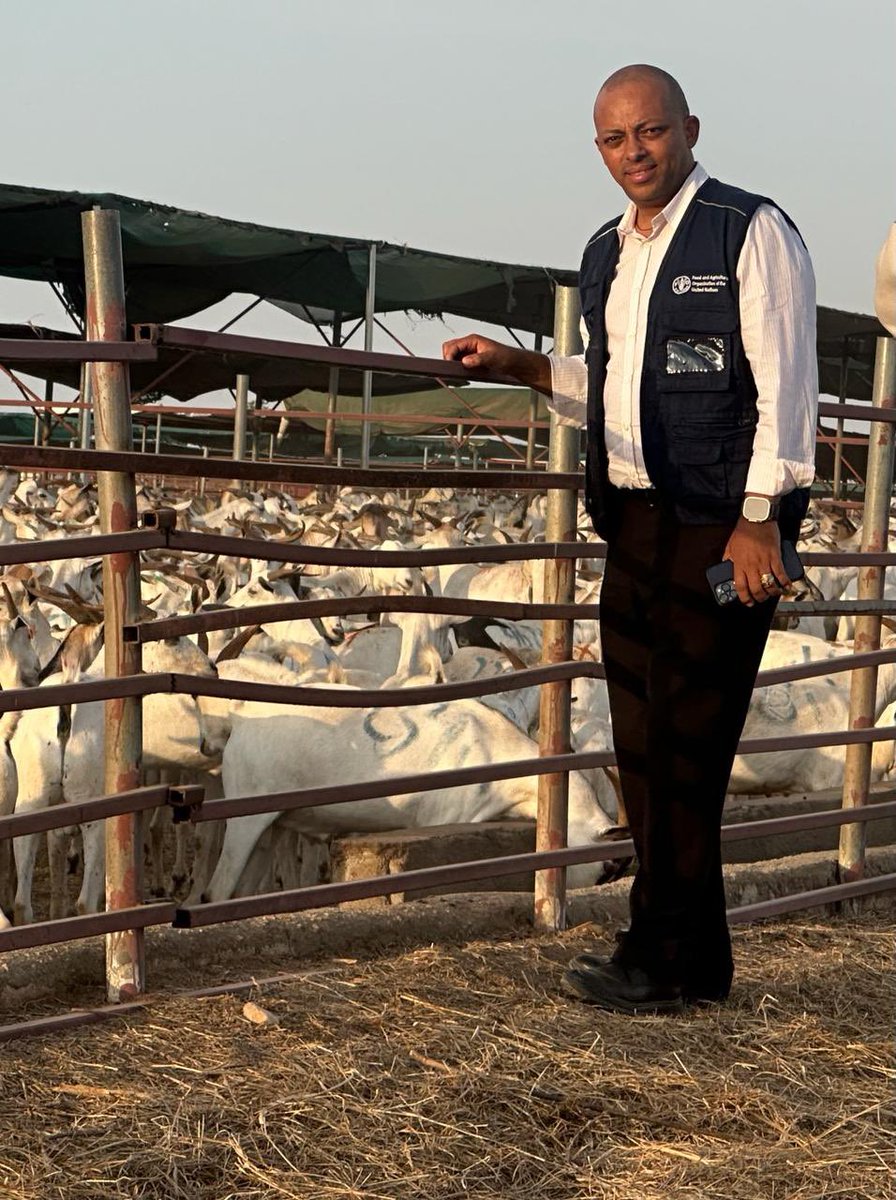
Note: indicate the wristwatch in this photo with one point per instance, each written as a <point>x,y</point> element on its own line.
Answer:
<point>759,509</point>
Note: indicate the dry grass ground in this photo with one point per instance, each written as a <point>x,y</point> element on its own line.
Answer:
<point>462,1072</point>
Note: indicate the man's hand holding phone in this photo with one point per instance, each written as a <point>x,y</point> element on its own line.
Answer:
<point>721,577</point>
<point>754,550</point>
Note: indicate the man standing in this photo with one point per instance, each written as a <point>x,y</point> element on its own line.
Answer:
<point>698,390</point>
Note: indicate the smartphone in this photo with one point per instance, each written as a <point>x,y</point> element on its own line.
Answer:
<point>721,576</point>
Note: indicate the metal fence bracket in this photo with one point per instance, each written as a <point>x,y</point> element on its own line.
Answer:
<point>185,802</point>
<point>159,518</point>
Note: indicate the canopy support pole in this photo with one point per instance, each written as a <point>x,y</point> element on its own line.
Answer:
<point>332,394</point>
<point>533,414</point>
<point>837,486</point>
<point>240,417</point>
<point>369,314</point>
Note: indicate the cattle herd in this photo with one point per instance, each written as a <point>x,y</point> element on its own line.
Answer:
<point>51,632</point>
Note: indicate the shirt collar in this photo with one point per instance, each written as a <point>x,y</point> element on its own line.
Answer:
<point>674,210</point>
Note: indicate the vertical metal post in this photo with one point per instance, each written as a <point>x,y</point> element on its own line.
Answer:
<point>104,276</point>
<point>240,417</point>
<point>84,423</point>
<point>332,394</point>
<point>85,413</point>
<point>459,437</point>
<point>837,485</point>
<point>369,313</point>
<point>875,537</point>
<point>533,414</point>
<point>202,481</point>
<point>143,439</point>
<point>158,432</point>
<point>47,429</point>
<point>559,588</point>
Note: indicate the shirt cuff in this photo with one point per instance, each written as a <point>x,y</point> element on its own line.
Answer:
<point>770,476</point>
<point>569,389</point>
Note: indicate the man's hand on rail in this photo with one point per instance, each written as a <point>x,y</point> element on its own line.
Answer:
<point>480,353</point>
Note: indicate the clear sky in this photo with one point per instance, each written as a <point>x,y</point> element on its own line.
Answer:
<point>461,126</point>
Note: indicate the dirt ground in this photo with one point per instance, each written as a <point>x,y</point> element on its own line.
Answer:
<point>441,1072</point>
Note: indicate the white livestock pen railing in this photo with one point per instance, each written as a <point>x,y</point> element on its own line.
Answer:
<point>120,544</point>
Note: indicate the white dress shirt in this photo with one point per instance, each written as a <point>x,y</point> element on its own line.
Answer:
<point>777,327</point>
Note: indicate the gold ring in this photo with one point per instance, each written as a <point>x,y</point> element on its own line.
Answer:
<point>768,580</point>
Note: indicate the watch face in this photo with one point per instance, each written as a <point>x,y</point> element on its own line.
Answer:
<point>757,508</point>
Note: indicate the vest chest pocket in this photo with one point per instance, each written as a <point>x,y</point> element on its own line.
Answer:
<point>693,352</point>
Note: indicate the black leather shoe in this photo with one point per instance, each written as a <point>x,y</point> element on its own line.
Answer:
<point>623,989</point>
<point>693,991</point>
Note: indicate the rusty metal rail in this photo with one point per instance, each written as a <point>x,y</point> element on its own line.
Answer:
<point>207,341</point>
<point>272,614</point>
<point>52,458</point>
<point>824,666</point>
<point>158,536</point>
<point>58,816</point>
<point>53,549</point>
<point>839,608</point>
<point>397,785</point>
<point>848,558</point>
<point>22,699</point>
<point>70,929</point>
<point>167,913</point>
<point>212,543</point>
<point>855,412</point>
<point>326,894</point>
<point>181,800</point>
<point>393,697</point>
<point>75,351</point>
<point>834,894</point>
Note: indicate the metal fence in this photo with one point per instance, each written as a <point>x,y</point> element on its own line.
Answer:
<point>121,541</point>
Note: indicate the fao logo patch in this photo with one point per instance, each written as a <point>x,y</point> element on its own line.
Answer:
<point>681,284</point>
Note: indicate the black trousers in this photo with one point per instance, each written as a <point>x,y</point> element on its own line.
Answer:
<point>680,672</point>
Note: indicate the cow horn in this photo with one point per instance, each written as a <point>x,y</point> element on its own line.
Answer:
<point>11,608</point>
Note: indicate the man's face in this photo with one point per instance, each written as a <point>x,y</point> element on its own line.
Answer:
<point>644,140</point>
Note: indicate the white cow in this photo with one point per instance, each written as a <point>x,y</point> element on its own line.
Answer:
<point>285,750</point>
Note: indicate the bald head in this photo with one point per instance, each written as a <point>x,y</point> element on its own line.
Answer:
<point>644,73</point>
<point>645,135</point>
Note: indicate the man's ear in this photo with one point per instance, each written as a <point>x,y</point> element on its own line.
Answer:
<point>692,130</point>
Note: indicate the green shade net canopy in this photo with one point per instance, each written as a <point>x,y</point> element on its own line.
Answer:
<point>178,263</point>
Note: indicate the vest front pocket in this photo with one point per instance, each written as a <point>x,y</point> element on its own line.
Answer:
<point>709,464</point>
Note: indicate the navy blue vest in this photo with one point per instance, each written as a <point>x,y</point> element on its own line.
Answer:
<point>698,396</point>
